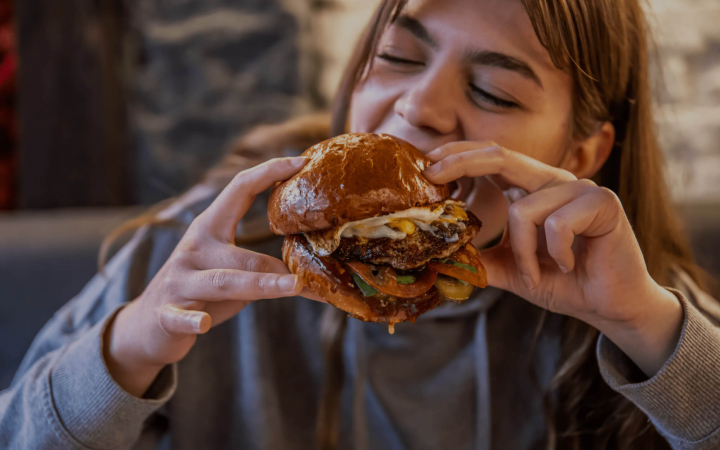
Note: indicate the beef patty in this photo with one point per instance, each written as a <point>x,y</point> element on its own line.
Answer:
<point>442,240</point>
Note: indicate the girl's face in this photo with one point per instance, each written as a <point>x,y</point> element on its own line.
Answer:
<point>467,70</point>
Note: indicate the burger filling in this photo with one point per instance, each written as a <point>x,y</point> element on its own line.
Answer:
<point>411,259</point>
<point>416,249</point>
<point>433,219</point>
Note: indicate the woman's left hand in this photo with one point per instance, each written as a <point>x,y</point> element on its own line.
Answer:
<point>569,248</point>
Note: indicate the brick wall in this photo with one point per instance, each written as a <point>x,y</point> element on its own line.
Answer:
<point>687,33</point>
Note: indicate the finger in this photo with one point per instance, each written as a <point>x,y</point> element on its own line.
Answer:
<point>228,284</point>
<point>514,194</point>
<point>175,320</point>
<point>531,212</point>
<point>513,168</point>
<point>501,269</point>
<point>453,148</point>
<point>592,215</point>
<point>227,256</point>
<point>223,215</point>
<point>522,234</point>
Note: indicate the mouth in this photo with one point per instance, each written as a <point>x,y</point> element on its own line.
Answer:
<point>461,189</point>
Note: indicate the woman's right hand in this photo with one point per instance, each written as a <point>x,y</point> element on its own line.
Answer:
<point>206,280</point>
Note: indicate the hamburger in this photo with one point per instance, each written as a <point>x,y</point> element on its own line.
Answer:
<point>367,232</point>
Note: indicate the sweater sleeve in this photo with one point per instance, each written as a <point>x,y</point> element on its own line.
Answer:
<point>682,399</point>
<point>63,396</point>
<point>68,400</point>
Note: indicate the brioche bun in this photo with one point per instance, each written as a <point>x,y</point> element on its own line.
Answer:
<point>352,177</point>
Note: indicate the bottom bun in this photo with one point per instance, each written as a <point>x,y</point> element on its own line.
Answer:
<point>330,279</point>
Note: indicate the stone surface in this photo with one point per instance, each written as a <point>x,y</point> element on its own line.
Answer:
<point>201,73</point>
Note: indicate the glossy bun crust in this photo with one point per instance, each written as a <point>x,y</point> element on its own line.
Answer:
<point>327,277</point>
<point>352,177</point>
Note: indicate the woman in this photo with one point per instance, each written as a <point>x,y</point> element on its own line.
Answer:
<point>577,345</point>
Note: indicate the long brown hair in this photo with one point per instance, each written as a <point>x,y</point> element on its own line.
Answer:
<point>604,46</point>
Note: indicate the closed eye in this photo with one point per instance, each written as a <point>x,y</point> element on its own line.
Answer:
<point>493,100</point>
<point>396,60</point>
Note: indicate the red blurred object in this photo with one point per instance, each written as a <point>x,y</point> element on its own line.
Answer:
<point>8,120</point>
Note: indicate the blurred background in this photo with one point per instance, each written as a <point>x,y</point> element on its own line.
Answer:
<point>107,106</point>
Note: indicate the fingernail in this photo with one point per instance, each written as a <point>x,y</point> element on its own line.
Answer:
<point>527,279</point>
<point>432,170</point>
<point>563,269</point>
<point>196,320</point>
<point>288,282</point>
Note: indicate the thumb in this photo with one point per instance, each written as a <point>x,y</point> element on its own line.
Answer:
<point>174,320</point>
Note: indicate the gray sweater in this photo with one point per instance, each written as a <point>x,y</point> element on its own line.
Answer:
<point>455,379</point>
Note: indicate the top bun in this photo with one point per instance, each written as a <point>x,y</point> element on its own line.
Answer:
<point>352,177</point>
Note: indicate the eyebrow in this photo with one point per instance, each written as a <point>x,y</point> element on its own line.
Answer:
<point>480,57</point>
<point>503,61</point>
<point>417,29</point>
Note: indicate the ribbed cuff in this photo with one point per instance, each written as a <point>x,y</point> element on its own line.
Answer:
<point>682,398</point>
<point>92,407</point>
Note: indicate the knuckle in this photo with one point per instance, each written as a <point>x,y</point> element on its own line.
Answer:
<point>555,224</point>
<point>242,259</point>
<point>517,212</point>
<point>191,244</point>
<point>259,284</point>
<point>587,183</point>
<point>187,254</point>
<point>185,258</point>
<point>496,151</point>
<point>565,175</point>
<point>609,196</point>
<point>254,264</point>
<point>218,280</point>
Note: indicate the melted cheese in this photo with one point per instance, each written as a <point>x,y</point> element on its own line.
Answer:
<point>404,225</point>
<point>394,226</point>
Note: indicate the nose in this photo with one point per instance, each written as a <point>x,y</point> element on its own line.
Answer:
<point>430,103</point>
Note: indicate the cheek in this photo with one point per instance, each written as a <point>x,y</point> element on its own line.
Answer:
<point>371,104</point>
<point>540,136</point>
<point>550,140</point>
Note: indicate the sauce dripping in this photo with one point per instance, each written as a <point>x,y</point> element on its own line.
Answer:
<point>391,328</point>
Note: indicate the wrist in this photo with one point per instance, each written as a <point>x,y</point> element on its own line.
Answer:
<point>125,364</point>
<point>650,338</point>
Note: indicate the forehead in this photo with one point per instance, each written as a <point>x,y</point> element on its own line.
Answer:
<point>495,25</point>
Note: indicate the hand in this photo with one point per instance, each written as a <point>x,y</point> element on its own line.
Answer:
<point>569,248</point>
<point>206,280</point>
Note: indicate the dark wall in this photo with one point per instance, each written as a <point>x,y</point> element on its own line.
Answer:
<point>73,136</point>
<point>131,102</point>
